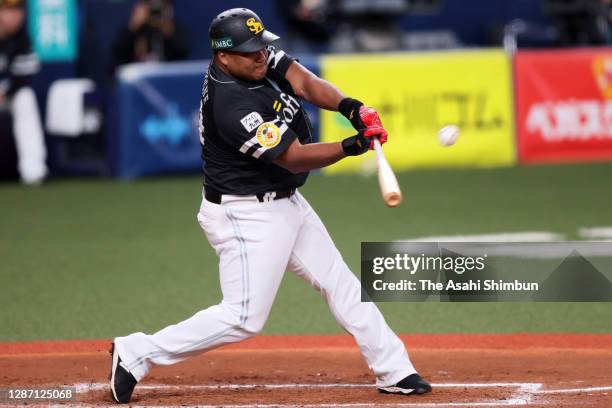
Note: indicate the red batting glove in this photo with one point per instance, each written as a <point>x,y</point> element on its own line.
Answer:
<point>376,132</point>
<point>369,116</point>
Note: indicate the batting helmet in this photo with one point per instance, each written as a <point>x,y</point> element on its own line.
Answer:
<point>240,30</point>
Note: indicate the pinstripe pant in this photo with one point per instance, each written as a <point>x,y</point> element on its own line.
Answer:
<point>256,242</point>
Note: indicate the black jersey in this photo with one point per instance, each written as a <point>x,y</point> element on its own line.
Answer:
<point>244,126</point>
<point>17,62</point>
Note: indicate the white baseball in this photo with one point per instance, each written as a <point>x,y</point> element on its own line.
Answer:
<point>448,135</point>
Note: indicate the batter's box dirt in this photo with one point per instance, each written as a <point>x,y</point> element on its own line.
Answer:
<point>291,394</point>
<point>323,376</point>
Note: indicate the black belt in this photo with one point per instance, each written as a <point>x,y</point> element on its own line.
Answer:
<point>216,197</point>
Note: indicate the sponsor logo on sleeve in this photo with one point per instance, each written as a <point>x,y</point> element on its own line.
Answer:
<point>268,135</point>
<point>251,121</point>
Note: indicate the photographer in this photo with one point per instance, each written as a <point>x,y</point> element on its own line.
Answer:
<point>152,35</point>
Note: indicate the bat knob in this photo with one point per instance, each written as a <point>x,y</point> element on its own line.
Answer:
<point>393,199</point>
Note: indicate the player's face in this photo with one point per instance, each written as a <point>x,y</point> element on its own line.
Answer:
<point>11,18</point>
<point>251,66</point>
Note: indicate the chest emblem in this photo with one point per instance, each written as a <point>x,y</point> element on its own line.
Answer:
<point>268,135</point>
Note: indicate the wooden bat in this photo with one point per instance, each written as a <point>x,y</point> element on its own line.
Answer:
<point>389,188</point>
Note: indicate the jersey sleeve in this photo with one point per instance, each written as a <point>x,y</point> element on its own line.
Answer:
<point>252,129</point>
<point>278,60</point>
<point>24,64</point>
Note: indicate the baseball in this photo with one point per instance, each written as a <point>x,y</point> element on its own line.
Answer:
<point>448,135</point>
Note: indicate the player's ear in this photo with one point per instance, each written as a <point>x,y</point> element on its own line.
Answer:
<point>222,57</point>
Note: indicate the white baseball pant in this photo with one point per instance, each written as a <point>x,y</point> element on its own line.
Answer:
<point>29,137</point>
<point>256,242</point>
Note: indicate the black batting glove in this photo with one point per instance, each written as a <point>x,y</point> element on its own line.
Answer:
<point>349,108</point>
<point>363,140</point>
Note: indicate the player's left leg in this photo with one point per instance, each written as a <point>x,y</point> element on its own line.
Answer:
<point>253,241</point>
<point>29,139</point>
<point>316,259</point>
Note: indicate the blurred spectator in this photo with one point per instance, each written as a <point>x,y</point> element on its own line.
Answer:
<point>17,64</point>
<point>580,22</point>
<point>152,35</point>
<point>369,25</point>
<point>607,5</point>
<point>309,25</point>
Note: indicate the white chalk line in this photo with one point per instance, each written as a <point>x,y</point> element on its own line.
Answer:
<point>574,390</point>
<point>86,387</point>
<point>524,236</point>
<point>595,233</point>
<point>519,245</point>
<point>524,394</point>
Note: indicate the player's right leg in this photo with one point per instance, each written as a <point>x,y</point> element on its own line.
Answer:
<point>29,138</point>
<point>253,241</point>
<point>316,259</point>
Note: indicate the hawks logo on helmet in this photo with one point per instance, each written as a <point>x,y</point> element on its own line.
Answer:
<point>254,26</point>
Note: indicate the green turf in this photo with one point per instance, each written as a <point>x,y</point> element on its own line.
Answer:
<point>92,259</point>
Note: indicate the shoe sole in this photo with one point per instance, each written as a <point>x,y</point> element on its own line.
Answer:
<point>112,375</point>
<point>403,391</point>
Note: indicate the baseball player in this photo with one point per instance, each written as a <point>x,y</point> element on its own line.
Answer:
<point>17,66</point>
<point>257,150</point>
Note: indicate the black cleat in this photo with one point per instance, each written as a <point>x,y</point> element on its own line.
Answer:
<point>413,384</point>
<point>122,382</point>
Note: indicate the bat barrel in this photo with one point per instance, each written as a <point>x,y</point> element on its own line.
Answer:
<point>389,187</point>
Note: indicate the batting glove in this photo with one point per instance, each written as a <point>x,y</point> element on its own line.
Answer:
<point>364,140</point>
<point>358,114</point>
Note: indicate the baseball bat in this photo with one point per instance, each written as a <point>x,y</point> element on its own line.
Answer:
<point>389,188</point>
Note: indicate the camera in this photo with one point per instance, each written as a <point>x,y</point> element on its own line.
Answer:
<point>156,8</point>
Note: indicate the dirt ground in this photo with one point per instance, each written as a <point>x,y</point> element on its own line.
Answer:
<point>470,370</point>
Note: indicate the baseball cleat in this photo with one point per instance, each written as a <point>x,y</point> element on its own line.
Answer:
<point>413,384</point>
<point>122,382</point>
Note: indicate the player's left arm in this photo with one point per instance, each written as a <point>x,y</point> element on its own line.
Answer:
<point>326,95</point>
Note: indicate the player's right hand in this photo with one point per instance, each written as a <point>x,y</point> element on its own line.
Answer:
<point>364,140</point>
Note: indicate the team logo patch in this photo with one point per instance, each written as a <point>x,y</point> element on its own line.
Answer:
<point>251,121</point>
<point>254,26</point>
<point>268,135</point>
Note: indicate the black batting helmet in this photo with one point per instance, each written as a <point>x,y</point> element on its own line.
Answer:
<point>239,29</point>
